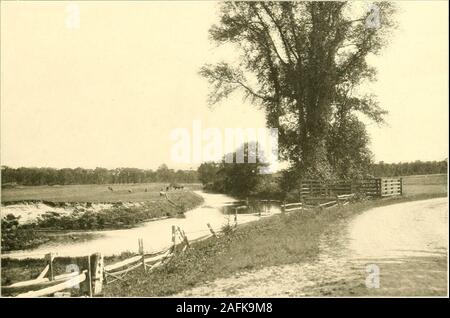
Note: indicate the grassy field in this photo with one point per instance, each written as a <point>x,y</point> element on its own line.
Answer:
<point>433,183</point>
<point>100,193</point>
<point>90,193</point>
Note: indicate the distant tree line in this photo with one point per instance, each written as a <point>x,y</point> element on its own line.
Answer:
<point>382,169</point>
<point>206,173</point>
<point>51,176</point>
<point>242,179</point>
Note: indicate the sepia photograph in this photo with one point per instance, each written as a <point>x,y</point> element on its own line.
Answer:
<point>224,150</point>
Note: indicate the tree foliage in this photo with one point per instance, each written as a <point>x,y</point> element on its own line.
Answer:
<point>207,172</point>
<point>236,177</point>
<point>303,63</point>
<point>417,167</point>
<point>51,176</point>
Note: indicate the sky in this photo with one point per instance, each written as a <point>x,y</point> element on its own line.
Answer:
<point>107,87</point>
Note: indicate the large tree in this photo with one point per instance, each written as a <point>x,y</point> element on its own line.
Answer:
<point>303,63</point>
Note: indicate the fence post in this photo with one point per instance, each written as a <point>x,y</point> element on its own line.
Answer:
<point>89,272</point>
<point>174,239</point>
<point>283,208</point>
<point>235,217</point>
<point>97,271</point>
<point>181,235</point>
<point>84,264</point>
<point>141,251</point>
<point>211,229</point>
<point>401,186</point>
<point>49,257</point>
<point>185,237</point>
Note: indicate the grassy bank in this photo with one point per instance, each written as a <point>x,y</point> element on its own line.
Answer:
<point>21,236</point>
<point>281,239</point>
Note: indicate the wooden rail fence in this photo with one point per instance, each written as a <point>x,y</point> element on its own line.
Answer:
<point>92,274</point>
<point>86,277</point>
<point>375,187</point>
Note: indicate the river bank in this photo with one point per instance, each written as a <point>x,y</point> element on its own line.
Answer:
<point>157,235</point>
<point>30,224</point>
<point>117,244</point>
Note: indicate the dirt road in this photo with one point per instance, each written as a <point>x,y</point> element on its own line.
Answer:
<point>394,250</point>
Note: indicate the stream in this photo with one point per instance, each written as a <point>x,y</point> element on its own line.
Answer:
<point>217,210</point>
